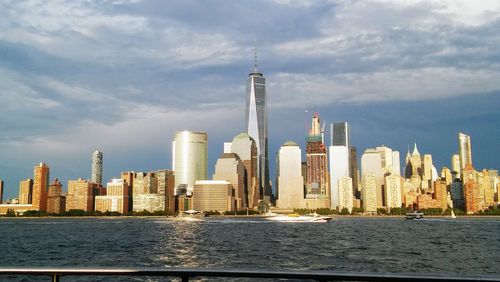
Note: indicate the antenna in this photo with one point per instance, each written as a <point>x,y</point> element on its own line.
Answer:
<point>255,55</point>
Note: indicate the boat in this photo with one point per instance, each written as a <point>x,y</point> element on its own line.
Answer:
<point>299,218</point>
<point>453,214</point>
<point>415,215</point>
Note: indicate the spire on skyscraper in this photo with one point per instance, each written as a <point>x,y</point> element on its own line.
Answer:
<point>255,56</point>
<point>415,150</point>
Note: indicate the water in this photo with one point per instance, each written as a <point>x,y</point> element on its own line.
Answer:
<point>463,246</point>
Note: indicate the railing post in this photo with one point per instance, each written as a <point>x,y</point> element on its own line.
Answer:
<point>55,277</point>
<point>184,278</point>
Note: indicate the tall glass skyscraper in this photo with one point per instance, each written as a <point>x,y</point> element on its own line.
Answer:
<point>465,150</point>
<point>256,123</point>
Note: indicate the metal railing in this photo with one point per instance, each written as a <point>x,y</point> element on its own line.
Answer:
<point>186,273</point>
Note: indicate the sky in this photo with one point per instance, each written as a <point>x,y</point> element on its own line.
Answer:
<point>122,76</point>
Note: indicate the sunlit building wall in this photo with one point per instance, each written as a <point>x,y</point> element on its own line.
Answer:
<point>190,160</point>
<point>40,187</point>
<point>290,179</point>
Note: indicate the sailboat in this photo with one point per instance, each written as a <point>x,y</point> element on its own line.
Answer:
<point>453,214</point>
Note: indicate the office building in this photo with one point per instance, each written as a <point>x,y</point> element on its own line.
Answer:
<point>245,147</point>
<point>80,195</point>
<point>290,182</point>
<point>464,150</point>
<point>40,187</point>
<point>25,191</point>
<point>189,160</point>
<point>339,156</point>
<point>97,167</point>
<point>229,167</point>
<point>56,201</point>
<point>116,198</point>
<point>213,195</point>
<point>257,126</point>
<point>353,171</point>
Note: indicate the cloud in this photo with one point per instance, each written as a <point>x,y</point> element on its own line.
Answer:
<point>292,90</point>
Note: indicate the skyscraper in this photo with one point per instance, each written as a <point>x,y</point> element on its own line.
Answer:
<point>245,147</point>
<point>256,125</point>
<point>97,167</point>
<point>339,154</point>
<point>465,151</point>
<point>317,164</point>
<point>229,167</point>
<point>25,191</point>
<point>190,157</point>
<point>40,187</point>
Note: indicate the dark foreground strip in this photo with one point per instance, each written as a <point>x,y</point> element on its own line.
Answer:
<point>186,273</point>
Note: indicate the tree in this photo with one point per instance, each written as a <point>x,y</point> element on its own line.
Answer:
<point>345,211</point>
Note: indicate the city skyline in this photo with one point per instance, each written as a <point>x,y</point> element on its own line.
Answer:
<point>389,95</point>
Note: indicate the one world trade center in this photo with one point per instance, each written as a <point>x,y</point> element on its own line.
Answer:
<point>256,124</point>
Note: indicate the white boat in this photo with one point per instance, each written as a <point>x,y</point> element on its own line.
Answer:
<point>453,214</point>
<point>299,218</point>
<point>415,215</point>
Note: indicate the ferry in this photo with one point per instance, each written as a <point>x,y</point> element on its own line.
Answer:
<point>415,215</point>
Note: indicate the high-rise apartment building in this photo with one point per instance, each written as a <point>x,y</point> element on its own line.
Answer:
<point>353,171</point>
<point>56,201</point>
<point>317,164</point>
<point>97,167</point>
<point>464,150</point>
<point>80,195</point>
<point>371,163</point>
<point>245,147</point>
<point>25,191</point>
<point>40,187</point>
<point>369,193</point>
<point>256,126</point>
<point>393,190</point>
<point>345,193</point>
<point>229,167</point>
<point>339,156</point>
<point>290,182</point>
<point>190,157</point>
<point>116,199</point>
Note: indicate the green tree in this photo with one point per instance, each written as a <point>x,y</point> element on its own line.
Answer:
<point>344,211</point>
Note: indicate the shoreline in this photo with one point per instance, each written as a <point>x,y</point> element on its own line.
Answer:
<point>336,216</point>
